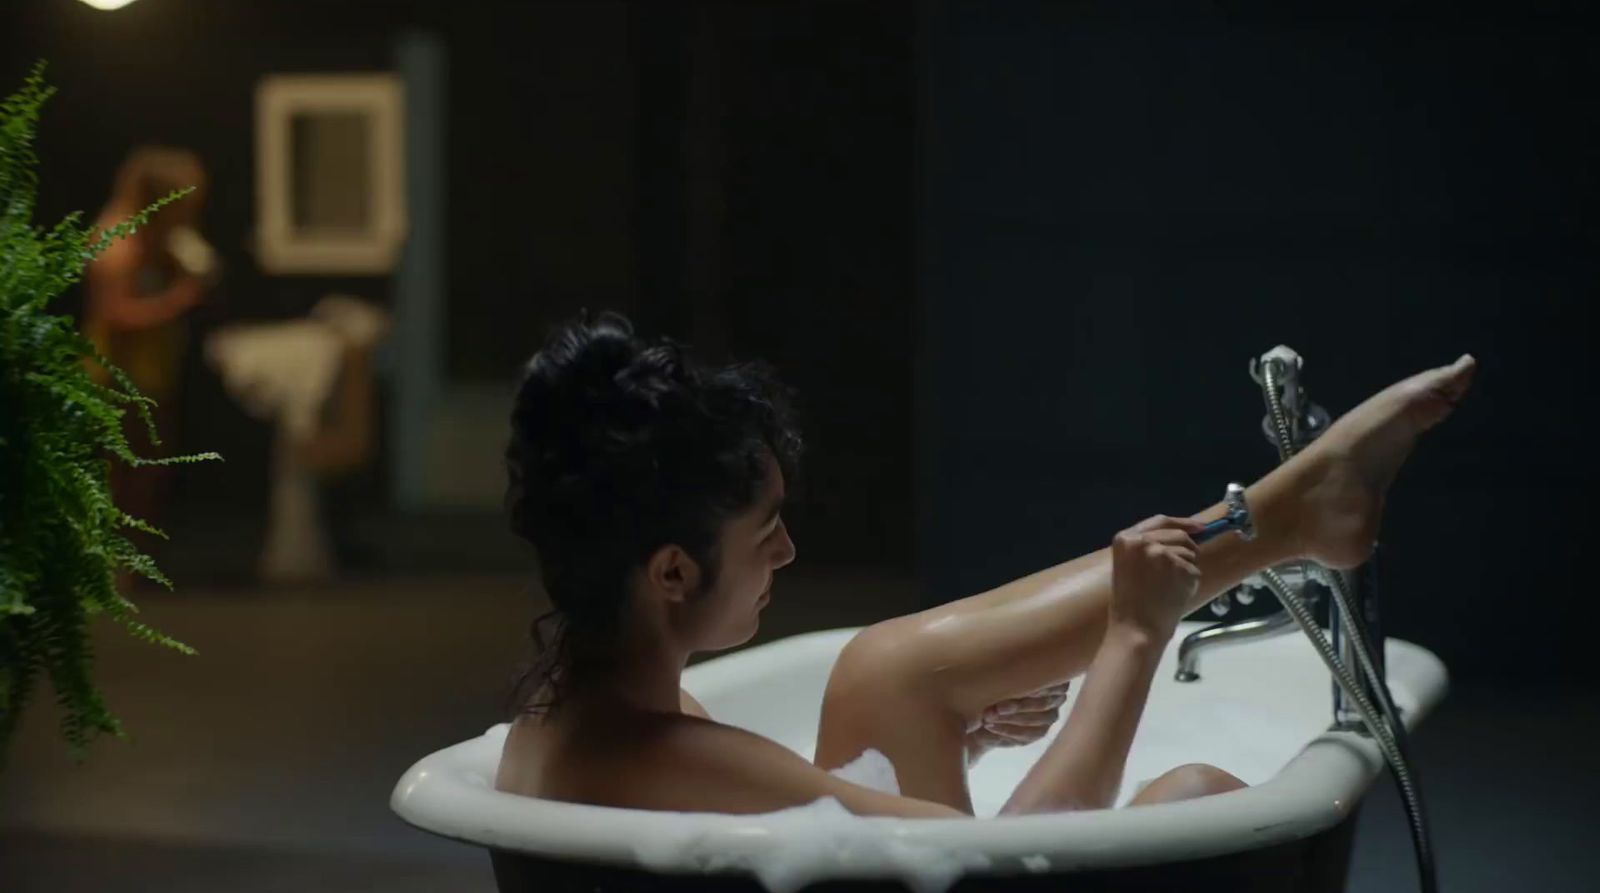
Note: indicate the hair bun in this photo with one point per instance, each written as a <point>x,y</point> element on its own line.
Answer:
<point>595,386</point>
<point>587,354</point>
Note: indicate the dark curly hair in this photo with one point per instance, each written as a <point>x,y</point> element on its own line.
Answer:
<point>618,447</point>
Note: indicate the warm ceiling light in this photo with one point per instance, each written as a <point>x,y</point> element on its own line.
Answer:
<point>108,4</point>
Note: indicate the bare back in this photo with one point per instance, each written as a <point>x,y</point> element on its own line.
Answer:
<point>560,758</point>
<point>676,762</point>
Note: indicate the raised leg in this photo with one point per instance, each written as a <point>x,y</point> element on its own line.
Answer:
<point>1186,783</point>
<point>909,686</point>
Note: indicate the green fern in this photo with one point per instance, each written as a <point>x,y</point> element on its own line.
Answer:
<point>60,549</point>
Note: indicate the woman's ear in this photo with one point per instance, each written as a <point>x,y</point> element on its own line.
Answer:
<point>672,574</point>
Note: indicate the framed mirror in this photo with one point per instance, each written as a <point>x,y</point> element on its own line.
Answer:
<point>330,173</point>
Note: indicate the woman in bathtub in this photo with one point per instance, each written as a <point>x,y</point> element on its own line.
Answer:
<point>652,489</point>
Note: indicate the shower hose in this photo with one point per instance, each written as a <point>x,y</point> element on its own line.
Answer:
<point>1382,719</point>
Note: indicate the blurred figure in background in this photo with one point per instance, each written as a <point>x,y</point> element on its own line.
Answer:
<point>137,296</point>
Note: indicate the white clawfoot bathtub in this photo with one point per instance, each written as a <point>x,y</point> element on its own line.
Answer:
<point>1260,711</point>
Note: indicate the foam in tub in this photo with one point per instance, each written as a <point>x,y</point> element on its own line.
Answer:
<point>816,841</point>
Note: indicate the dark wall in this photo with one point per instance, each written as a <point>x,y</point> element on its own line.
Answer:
<point>542,187</point>
<point>736,176</point>
<point>818,189</point>
<point>774,221</point>
<point>1122,211</point>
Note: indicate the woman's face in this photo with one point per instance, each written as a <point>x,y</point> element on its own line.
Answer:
<point>755,544</point>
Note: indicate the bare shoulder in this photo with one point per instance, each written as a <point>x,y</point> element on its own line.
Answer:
<point>682,763</point>
<point>689,764</point>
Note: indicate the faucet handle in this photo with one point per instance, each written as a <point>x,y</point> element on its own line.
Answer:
<point>1306,420</point>
<point>1284,362</point>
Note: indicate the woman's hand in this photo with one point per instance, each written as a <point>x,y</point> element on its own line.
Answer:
<point>1154,575</point>
<point>1015,721</point>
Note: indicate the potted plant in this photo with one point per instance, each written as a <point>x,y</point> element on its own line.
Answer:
<point>60,545</point>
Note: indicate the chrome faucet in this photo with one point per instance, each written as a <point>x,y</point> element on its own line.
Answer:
<point>1292,418</point>
<point>1362,703</point>
<point>1240,631</point>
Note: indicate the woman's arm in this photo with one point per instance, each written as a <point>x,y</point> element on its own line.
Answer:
<point>1153,577</point>
<point>1082,768</point>
<point>113,297</point>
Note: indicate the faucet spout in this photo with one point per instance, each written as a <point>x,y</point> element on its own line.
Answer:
<point>1221,634</point>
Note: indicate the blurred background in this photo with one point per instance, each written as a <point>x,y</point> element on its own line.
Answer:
<point>1014,257</point>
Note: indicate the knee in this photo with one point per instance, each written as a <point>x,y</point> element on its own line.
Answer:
<point>878,660</point>
<point>880,649</point>
<point>874,697</point>
<point>1187,782</point>
<point>1201,779</point>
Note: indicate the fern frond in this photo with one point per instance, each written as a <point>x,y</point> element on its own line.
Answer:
<point>60,545</point>
<point>131,225</point>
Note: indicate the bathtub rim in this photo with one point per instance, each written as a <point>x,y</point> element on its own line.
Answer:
<point>1319,787</point>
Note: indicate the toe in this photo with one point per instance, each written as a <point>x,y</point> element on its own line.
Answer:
<point>1436,393</point>
<point>1460,378</point>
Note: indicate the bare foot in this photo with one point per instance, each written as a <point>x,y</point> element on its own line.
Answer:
<point>1352,465</point>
